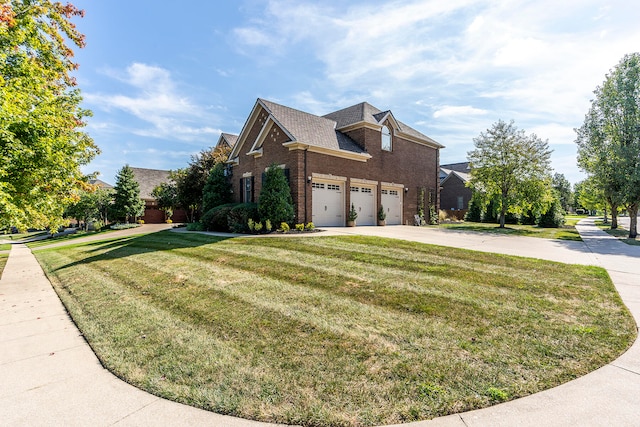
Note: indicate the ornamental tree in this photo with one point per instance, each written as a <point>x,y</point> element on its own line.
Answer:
<point>42,145</point>
<point>511,168</point>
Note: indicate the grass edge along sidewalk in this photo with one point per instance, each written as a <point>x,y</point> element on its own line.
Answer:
<point>335,330</point>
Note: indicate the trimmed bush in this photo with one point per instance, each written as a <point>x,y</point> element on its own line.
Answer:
<point>238,217</point>
<point>474,214</point>
<point>216,219</point>
<point>275,203</point>
<point>553,217</point>
<point>195,226</point>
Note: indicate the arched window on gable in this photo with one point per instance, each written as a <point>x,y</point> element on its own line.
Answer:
<point>386,138</point>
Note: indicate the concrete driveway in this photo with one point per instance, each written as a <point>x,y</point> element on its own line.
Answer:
<point>50,376</point>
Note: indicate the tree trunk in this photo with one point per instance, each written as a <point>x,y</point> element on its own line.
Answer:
<point>503,214</point>
<point>633,220</point>
<point>606,219</point>
<point>614,217</point>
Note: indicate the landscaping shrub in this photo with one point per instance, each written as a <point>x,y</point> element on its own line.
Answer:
<point>284,227</point>
<point>553,217</point>
<point>310,226</point>
<point>238,217</point>
<point>300,227</point>
<point>216,219</point>
<point>275,203</point>
<point>474,214</point>
<point>195,226</point>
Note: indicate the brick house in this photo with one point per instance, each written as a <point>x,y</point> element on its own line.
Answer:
<point>358,155</point>
<point>148,179</point>
<point>454,194</point>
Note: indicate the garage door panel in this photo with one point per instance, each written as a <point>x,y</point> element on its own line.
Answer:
<point>327,204</point>
<point>363,199</point>
<point>391,200</point>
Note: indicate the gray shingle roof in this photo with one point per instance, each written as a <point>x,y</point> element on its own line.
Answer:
<point>148,179</point>
<point>100,183</point>
<point>365,112</point>
<point>458,167</point>
<point>230,138</point>
<point>310,129</point>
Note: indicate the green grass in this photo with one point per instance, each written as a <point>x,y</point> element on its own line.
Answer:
<point>333,331</point>
<point>5,246</point>
<point>66,237</point>
<point>568,232</point>
<point>620,233</point>
<point>20,236</point>
<point>3,262</point>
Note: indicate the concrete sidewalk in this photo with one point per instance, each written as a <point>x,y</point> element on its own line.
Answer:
<point>50,376</point>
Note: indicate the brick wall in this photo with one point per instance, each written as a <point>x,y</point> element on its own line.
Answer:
<point>412,165</point>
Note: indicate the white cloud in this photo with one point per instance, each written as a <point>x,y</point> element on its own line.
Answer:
<point>152,97</point>
<point>463,110</point>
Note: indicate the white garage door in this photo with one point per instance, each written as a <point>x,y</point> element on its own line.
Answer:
<point>391,199</point>
<point>363,199</point>
<point>327,204</point>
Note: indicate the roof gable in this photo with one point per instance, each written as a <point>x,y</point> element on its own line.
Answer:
<point>364,114</point>
<point>300,127</point>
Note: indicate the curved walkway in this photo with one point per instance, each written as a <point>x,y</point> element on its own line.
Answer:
<point>50,376</point>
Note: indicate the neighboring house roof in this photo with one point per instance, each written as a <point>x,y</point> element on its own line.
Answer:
<point>100,183</point>
<point>458,167</point>
<point>148,179</point>
<point>228,139</point>
<point>464,177</point>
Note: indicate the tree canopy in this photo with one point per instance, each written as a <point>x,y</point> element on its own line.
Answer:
<point>512,169</point>
<point>41,143</point>
<point>609,139</point>
<point>217,190</point>
<point>190,181</point>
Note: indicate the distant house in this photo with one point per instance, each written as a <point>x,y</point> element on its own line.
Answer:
<point>148,179</point>
<point>227,140</point>
<point>100,184</point>
<point>359,155</point>
<point>454,194</point>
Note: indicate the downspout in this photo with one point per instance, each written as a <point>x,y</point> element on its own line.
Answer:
<point>306,184</point>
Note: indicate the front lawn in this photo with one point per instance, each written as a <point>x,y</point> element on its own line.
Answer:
<point>3,262</point>
<point>620,233</point>
<point>567,232</point>
<point>329,331</point>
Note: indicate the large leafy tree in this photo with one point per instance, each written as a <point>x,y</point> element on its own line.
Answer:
<point>92,205</point>
<point>190,181</point>
<point>562,187</point>
<point>126,200</point>
<point>166,195</point>
<point>41,143</point>
<point>609,139</point>
<point>511,168</point>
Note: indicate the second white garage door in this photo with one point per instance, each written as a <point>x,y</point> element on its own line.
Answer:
<point>363,199</point>
<point>327,204</point>
<point>391,199</point>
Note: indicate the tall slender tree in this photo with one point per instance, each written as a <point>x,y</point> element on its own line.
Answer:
<point>42,145</point>
<point>126,200</point>
<point>609,139</point>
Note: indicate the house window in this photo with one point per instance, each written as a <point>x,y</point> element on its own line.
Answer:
<point>460,202</point>
<point>247,189</point>
<point>386,138</point>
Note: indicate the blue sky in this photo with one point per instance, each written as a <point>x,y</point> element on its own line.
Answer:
<point>164,78</point>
